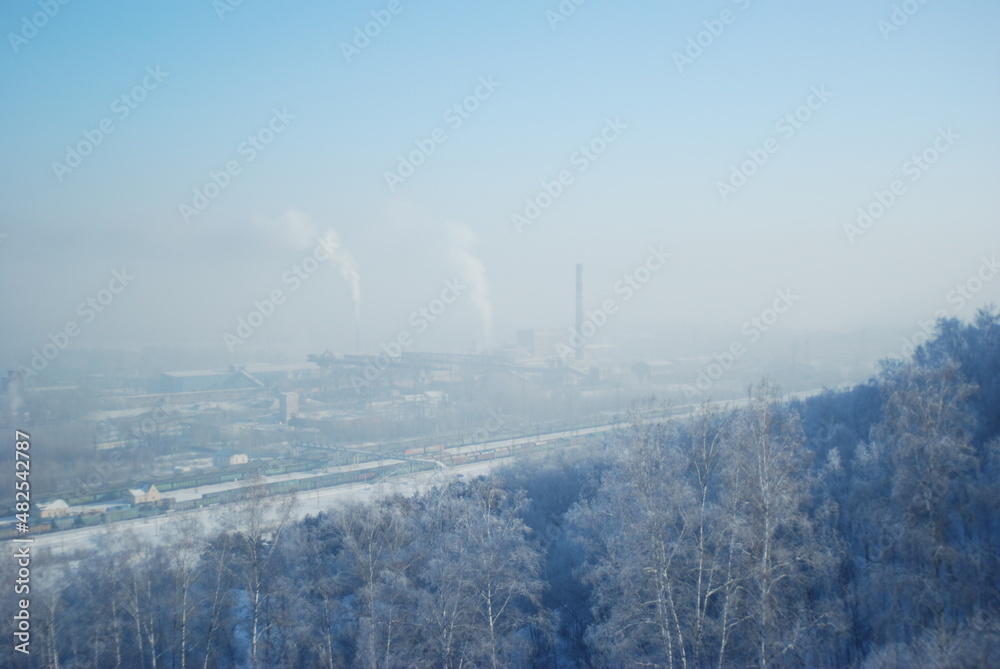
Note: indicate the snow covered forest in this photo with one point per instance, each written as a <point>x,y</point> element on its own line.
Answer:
<point>857,528</point>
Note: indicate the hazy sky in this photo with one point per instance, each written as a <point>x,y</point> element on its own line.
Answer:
<point>198,81</point>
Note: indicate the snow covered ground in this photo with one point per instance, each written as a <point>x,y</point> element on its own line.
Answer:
<point>307,502</point>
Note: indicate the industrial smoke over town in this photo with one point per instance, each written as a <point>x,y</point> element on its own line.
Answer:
<point>525,334</point>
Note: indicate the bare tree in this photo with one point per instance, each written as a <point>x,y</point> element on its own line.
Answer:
<point>499,568</point>
<point>254,526</point>
<point>780,557</point>
<point>373,537</point>
<point>186,543</point>
<point>217,579</point>
<point>318,583</point>
<point>642,532</point>
<point>923,449</point>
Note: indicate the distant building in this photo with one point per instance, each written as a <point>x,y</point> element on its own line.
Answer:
<point>653,372</point>
<point>541,343</point>
<point>139,496</point>
<point>54,509</point>
<point>288,406</point>
<point>185,382</point>
<point>269,375</point>
<point>238,377</point>
<point>228,459</point>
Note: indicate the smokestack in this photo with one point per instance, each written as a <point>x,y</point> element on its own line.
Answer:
<point>579,308</point>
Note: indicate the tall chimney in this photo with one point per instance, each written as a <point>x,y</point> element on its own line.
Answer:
<point>579,309</point>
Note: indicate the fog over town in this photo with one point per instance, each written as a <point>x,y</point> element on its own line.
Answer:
<point>534,334</point>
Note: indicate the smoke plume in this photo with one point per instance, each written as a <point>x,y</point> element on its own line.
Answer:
<point>298,229</point>
<point>473,271</point>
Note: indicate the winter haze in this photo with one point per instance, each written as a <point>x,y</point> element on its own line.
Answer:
<point>549,333</point>
<point>687,126</point>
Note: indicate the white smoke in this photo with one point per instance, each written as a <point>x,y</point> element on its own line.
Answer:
<point>298,229</point>
<point>472,270</point>
<point>348,268</point>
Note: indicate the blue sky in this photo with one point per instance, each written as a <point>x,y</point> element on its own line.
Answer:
<point>655,185</point>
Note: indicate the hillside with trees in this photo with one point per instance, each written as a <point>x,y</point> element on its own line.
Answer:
<point>856,528</point>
